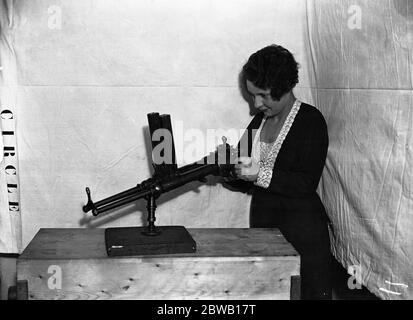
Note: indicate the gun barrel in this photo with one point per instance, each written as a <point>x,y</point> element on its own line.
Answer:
<point>118,196</point>
<point>109,205</point>
<point>183,176</point>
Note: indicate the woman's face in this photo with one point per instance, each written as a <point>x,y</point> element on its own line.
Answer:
<point>265,103</point>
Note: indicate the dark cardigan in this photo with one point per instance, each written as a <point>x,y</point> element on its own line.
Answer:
<point>301,159</point>
<point>291,202</point>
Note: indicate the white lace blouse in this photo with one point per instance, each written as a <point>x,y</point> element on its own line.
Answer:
<point>265,154</point>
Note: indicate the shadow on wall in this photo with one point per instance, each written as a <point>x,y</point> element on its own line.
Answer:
<point>404,8</point>
<point>245,94</point>
<point>6,6</point>
<point>311,56</point>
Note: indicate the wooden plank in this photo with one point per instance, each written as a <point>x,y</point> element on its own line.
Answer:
<point>174,279</point>
<point>77,243</point>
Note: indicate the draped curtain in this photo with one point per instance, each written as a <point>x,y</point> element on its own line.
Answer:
<point>361,52</point>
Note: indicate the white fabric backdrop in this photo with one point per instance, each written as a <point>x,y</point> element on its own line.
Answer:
<point>10,213</point>
<point>90,71</point>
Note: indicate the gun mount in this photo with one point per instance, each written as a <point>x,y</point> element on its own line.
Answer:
<point>167,177</point>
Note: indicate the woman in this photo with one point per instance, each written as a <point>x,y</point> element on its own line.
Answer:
<point>286,150</point>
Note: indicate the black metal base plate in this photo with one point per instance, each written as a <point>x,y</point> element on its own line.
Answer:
<point>130,241</point>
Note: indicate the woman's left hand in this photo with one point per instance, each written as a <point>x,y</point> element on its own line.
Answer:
<point>247,169</point>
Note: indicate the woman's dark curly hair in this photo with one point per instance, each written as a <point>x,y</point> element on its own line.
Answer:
<point>274,68</point>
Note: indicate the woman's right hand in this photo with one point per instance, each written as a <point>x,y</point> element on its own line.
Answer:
<point>247,169</point>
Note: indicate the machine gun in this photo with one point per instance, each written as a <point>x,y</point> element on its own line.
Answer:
<point>167,176</point>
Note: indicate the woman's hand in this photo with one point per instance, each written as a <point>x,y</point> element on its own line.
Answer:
<point>247,169</point>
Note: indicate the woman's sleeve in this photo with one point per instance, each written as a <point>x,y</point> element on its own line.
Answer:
<point>244,149</point>
<point>303,181</point>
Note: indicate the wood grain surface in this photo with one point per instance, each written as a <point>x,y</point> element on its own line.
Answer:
<point>228,264</point>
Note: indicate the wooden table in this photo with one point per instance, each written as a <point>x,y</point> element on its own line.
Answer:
<point>228,264</point>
